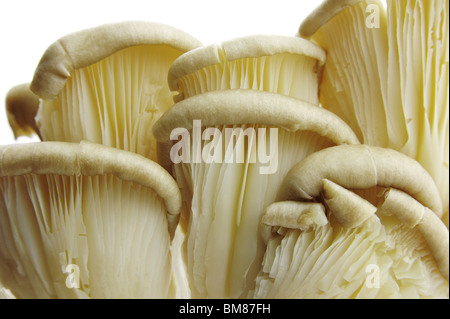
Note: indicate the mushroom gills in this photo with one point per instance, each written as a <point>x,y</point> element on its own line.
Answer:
<point>113,233</point>
<point>378,259</point>
<point>113,102</point>
<point>85,221</point>
<point>223,245</point>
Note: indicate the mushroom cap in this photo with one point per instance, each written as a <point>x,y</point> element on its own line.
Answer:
<point>254,46</point>
<point>90,159</point>
<point>413,214</point>
<point>361,167</point>
<point>253,107</point>
<point>388,81</point>
<point>65,203</point>
<point>326,258</point>
<point>85,47</point>
<point>351,211</point>
<point>322,14</point>
<point>354,78</point>
<point>21,108</point>
<point>234,107</point>
<point>346,214</point>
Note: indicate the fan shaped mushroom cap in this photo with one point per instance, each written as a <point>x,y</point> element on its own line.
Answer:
<point>248,106</point>
<point>413,214</point>
<point>224,243</point>
<point>327,10</point>
<point>109,212</point>
<point>21,108</point>
<point>418,90</point>
<point>386,75</point>
<point>234,107</point>
<point>86,47</point>
<point>89,159</point>
<point>354,78</point>
<point>368,166</point>
<point>108,84</point>
<point>397,249</point>
<point>281,64</point>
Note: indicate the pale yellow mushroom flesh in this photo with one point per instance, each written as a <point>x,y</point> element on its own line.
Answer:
<point>280,64</point>
<point>108,84</point>
<point>224,243</point>
<point>85,221</point>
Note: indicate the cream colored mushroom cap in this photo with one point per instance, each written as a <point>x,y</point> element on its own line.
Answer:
<point>254,46</point>
<point>21,108</point>
<point>361,167</point>
<point>86,47</point>
<point>90,159</point>
<point>409,212</point>
<point>322,14</point>
<point>239,106</point>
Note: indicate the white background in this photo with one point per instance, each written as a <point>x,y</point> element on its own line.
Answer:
<point>28,27</point>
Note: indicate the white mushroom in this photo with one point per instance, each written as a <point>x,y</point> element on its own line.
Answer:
<point>413,214</point>
<point>251,84</point>
<point>353,82</point>
<point>418,34</point>
<point>282,64</point>
<point>398,250</point>
<point>293,215</point>
<point>224,243</point>
<point>386,75</point>
<point>349,209</point>
<point>21,108</point>
<point>360,167</point>
<point>108,84</point>
<point>85,221</point>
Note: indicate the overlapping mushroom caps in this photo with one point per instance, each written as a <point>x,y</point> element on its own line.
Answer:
<point>267,175</point>
<point>387,75</point>
<point>243,102</point>
<point>85,220</point>
<point>327,241</point>
<point>281,64</point>
<point>108,84</point>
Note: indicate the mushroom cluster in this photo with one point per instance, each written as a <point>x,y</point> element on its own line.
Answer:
<point>305,166</point>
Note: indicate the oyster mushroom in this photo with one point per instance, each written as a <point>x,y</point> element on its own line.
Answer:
<point>353,82</point>
<point>361,167</point>
<point>343,246</point>
<point>85,221</point>
<point>418,34</point>
<point>281,64</point>
<point>246,85</point>
<point>386,75</point>
<point>21,108</point>
<point>225,199</point>
<point>108,84</point>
